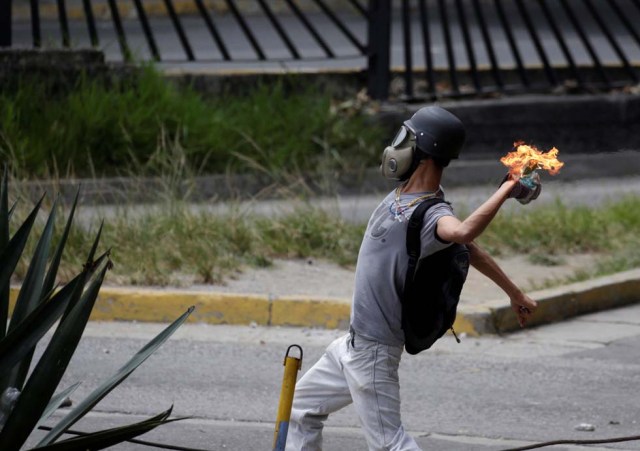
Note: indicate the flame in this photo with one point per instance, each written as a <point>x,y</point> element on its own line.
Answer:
<point>526,159</point>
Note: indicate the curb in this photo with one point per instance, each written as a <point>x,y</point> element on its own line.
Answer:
<point>155,305</point>
<point>554,304</point>
<point>558,304</point>
<point>147,305</point>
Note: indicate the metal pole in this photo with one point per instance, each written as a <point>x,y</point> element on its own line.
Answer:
<point>146,27</point>
<point>486,37</point>
<point>408,60</point>
<point>468,43</point>
<point>451,56</point>
<point>379,48</point>
<point>291,367</point>
<point>35,23</point>
<point>5,23</point>
<point>91,23</point>
<point>310,28</point>
<point>426,45</point>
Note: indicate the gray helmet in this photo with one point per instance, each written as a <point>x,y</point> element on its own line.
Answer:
<point>438,133</point>
<point>431,132</point>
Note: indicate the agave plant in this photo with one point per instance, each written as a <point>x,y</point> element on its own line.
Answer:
<point>39,305</point>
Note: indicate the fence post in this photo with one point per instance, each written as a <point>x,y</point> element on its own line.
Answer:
<point>5,23</point>
<point>379,48</point>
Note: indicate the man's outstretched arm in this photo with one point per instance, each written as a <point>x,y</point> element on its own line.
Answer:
<point>452,229</point>
<point>522,305</point>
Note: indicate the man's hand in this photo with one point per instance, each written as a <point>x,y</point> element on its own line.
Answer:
<point>525,191</point>
<point>523,306</point>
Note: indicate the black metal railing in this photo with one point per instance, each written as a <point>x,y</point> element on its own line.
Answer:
<point>526,45</point>
<point>423,48</point>
<point>234,34</point>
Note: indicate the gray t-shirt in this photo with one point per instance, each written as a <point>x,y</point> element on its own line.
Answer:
<point>382,265</point>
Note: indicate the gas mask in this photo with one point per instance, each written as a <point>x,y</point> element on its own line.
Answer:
<point>398,158</point>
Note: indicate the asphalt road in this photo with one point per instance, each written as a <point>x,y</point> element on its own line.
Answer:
<point>487,393</point>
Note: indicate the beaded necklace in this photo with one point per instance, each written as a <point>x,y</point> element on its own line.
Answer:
<point>398,211</point>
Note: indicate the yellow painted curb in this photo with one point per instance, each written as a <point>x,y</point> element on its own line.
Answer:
<point>124,304</point>
<point>558,304</point>
<point>151,305</point>
<point>145,305</point>
<point>309,312</point>
<point>468,321</point>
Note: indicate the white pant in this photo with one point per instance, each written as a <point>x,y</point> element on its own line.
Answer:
<point>365,373</point>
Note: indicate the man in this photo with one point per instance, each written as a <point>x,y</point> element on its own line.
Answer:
<point>362,366</point>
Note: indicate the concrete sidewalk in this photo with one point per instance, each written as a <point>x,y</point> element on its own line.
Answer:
<point>474,318</point>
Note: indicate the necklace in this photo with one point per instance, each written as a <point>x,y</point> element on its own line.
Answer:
<point>398,211</point>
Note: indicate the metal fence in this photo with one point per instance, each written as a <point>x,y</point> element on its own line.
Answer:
<point>482,47</point>
<point>205,31</point>
<point>414,49</point>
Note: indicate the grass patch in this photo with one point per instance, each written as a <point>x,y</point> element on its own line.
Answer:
<point>547,234</point>
<point>310,232</point>
<point>123,125</point>
<point>176,245</point>
<point>561,229</point>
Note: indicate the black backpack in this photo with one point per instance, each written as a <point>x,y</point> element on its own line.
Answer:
<point>432,286</point>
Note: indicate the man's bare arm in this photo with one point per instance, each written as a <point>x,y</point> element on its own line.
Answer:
<point>452,229</point>
<point>522,305</point>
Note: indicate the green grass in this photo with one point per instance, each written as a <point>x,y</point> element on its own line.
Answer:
<point>174,245</point>
<point>562,229</point>
<point>125,126</point>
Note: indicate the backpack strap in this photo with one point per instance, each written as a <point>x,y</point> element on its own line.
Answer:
<point>413,238</point>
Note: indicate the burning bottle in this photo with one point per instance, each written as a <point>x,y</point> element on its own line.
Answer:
<point>524,164</point>
<point>526,160</point>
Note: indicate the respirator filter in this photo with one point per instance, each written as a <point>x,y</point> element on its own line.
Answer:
<point>397,159</point>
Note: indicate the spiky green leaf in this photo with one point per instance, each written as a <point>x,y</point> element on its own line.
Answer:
<point>10,255</point>
<point>56,401</point>
<point>31,293</point>
<point>23,338</point>
<point>32,285</point>
<point>88,269</point>
<point>109,437</point>
<point>92,399</point>
<point>11,210</point>
<point>57,256</point>
<point>49,370</point>
<point>4,240</point>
